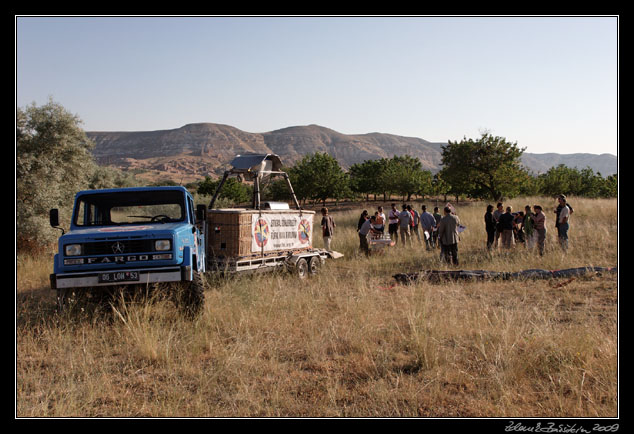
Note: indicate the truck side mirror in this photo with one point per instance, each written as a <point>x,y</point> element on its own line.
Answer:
<point>53,217</point>
<point>201,212</point>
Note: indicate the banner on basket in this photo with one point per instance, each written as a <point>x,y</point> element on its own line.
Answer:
<point>281,232</point>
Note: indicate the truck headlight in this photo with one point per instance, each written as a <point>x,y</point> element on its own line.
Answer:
<point>162,245</point>
<point>72,249</point>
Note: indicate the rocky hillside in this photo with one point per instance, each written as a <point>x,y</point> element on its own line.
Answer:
<point>189,153</point>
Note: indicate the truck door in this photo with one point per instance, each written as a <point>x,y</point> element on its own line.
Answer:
<point>199,236</point>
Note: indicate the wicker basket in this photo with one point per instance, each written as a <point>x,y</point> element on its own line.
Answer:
<point>230,232</point>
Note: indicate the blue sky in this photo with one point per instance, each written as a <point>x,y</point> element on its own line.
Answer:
<point>548,83</point>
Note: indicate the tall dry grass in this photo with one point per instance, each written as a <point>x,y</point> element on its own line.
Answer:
<point>348,343</point>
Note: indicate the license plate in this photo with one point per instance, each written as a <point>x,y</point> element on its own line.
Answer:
<point>119,276</point>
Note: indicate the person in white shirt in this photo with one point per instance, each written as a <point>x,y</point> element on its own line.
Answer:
<point>393,223</point>
<point>563,222</point>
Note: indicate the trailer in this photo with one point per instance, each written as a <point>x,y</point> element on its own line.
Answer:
<point>267,235</point>
<point>153,235</point>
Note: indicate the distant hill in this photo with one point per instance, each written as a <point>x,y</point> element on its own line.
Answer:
<point>195,150</point>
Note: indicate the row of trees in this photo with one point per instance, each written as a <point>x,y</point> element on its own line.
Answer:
<point>54,160</point>
<point>319,177</point>
<point>488,168</point>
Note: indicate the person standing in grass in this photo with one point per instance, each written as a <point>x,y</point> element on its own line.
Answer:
<point>518,227</point>
<point>327,227</point>
<point>489,226</point>
<point>428,222</point>
<point>506,224</point>
<point>415,222</point>
<point>449,237</point>
<point>380,219</point>
<point>404,221</point>
<point>362,218</point>
<point>496,215</point>
<point>365,229</point>
<point>437,217</point>
<point>562,224</point>
<point>393,223</point>
<point>539,224</point>
<point>527,226</point>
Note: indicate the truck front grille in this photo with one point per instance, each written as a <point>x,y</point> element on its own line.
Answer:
<point>125,246</point>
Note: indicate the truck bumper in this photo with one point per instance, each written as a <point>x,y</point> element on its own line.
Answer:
<point>145,276</point>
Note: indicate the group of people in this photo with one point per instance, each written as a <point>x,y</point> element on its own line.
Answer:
<point>503,226</point>
<point>434,229</point>
<point>527,227</point>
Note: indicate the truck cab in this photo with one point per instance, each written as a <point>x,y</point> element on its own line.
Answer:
<point>128,236</point>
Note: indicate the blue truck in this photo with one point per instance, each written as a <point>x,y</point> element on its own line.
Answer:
<point>156,236</point>
<point>131,236</point>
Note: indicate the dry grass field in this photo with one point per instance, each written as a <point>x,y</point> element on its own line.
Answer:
<point>350,342</point>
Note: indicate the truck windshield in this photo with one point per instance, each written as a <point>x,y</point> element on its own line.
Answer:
<point>129,207</point>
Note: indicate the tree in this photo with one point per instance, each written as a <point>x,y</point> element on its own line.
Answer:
<point>485,168</point>
<point>610,186</point>
<point>232,190</point>
<point>591,183</point>
<point>109,177</point>
<point>365,177</point>
<point>319,176</point>
<point>53,162</point>
<point>402,175</point>
<point>385,179</point>
<point>409,178</point>
<point>440,186</point>
<point>572,181</point>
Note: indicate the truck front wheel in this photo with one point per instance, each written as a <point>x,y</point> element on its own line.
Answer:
<point>193,295</point>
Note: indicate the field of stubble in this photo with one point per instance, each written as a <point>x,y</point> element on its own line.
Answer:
<point>350,342</point>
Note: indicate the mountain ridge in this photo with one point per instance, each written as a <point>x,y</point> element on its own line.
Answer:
<point>196,150</point>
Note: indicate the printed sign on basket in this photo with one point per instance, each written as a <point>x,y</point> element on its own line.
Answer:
<point>280,232</point>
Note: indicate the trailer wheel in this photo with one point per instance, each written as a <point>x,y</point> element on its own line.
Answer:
<point>314,265</point>
<point>301,268</point>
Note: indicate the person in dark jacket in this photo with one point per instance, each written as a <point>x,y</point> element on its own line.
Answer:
<point>496,216</point>
<point>489,225</point>
<point>506,225</point>
<point>362,218</point>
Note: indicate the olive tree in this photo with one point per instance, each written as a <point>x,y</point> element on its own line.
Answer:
<point>53,161</point>
<point>319,176</point>
<point>485,168</point>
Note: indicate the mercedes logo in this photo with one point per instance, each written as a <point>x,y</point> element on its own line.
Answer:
<point>118,247</point>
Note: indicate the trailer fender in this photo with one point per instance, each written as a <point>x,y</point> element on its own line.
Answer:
<point>294,258</point>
